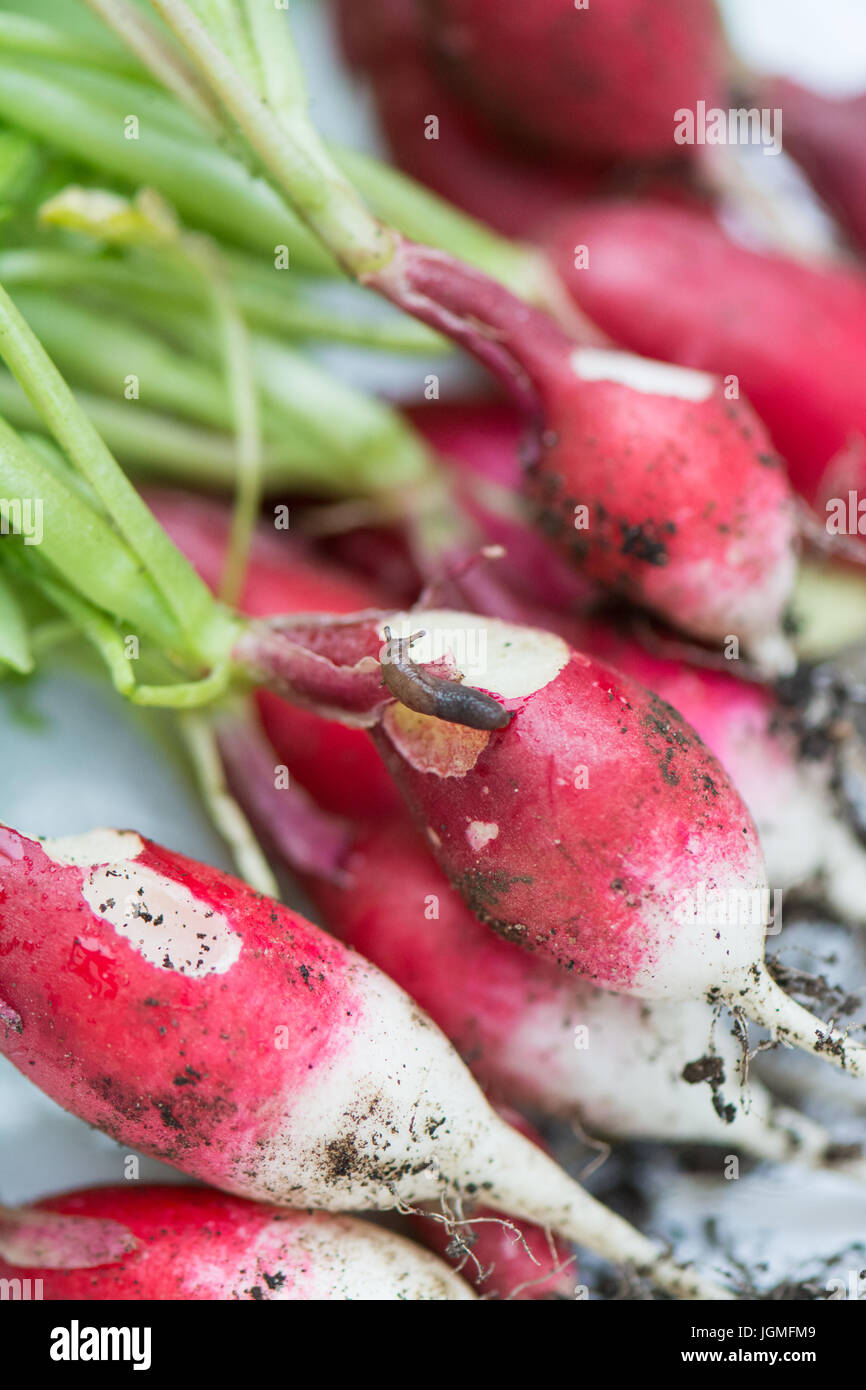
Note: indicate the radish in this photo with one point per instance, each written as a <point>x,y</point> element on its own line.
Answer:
<point>171,1006</point>
<point>192,1244</point>
<point>592,80</point>
<point>439,139</point>
<point>826,136</point>
<point>661,487</point>
<point>589,822</point>
<point>669,282</point>
<point>503,1263</point>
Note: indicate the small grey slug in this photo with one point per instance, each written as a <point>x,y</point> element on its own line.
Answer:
<point>415,688</point>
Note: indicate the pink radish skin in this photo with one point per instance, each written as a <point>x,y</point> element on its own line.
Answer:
<point>687,509</point>
<point>601,81</point>
<point>519,1268</point>
<point>185,1015</point>
<point>284,576</point>
<point>195,1245</point>
<point>827,137</point>
<point>670,283</point>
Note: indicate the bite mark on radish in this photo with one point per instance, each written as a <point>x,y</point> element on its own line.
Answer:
<point>165,923</point>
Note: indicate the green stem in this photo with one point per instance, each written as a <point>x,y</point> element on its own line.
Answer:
<point>158,445</point>
<point>268,298</point>
<point>226,814</point>
<point>289,149</point>
<point>23,35</point>
<point>158,57</point>
<point>183,592</point>
<point>79,544</point>
<point>243,393</point>
<point>15,649</point>
<point>207,186</point>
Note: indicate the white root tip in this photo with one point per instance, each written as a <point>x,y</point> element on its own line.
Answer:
<point>768,1004</point>
<point>537,1189</point>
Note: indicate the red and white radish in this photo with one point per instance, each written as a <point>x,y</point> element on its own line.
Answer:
<point>671,283</point>
<point>663,488</point>
<point>593,81</point>
<point>589,823</point>
<point>805,837</point>
<point>191,1244</point>
<point>803,834</point>
<point>177,1010</point>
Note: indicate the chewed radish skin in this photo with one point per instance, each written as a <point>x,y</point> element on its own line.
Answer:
<point>193,1245</point>
<point>546,1040</point>
<point>285,1068</point>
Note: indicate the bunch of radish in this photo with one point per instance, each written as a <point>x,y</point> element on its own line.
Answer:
<point>598,829</point>
<point>182,1013</point>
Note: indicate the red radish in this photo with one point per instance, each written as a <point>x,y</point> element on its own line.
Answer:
<point>544,1040</point>
<point>597,81</point>
<point>660,486</point>
<point>285,576</point>
<point>591,825</point>
<point>504,1263</point>
<point>177,1010</point>
<point>827,137</point>
<point>439,139</point>
<point>192,1244</point>
<point>669,282</point>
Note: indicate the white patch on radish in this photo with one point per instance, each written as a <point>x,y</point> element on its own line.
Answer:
<point>162,920</point>
<point>479,833</point>
<point>642,374</point>
<point>502,658</point>
<point>96,847</point>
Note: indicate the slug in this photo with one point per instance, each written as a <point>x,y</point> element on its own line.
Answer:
<point>449,700</point>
